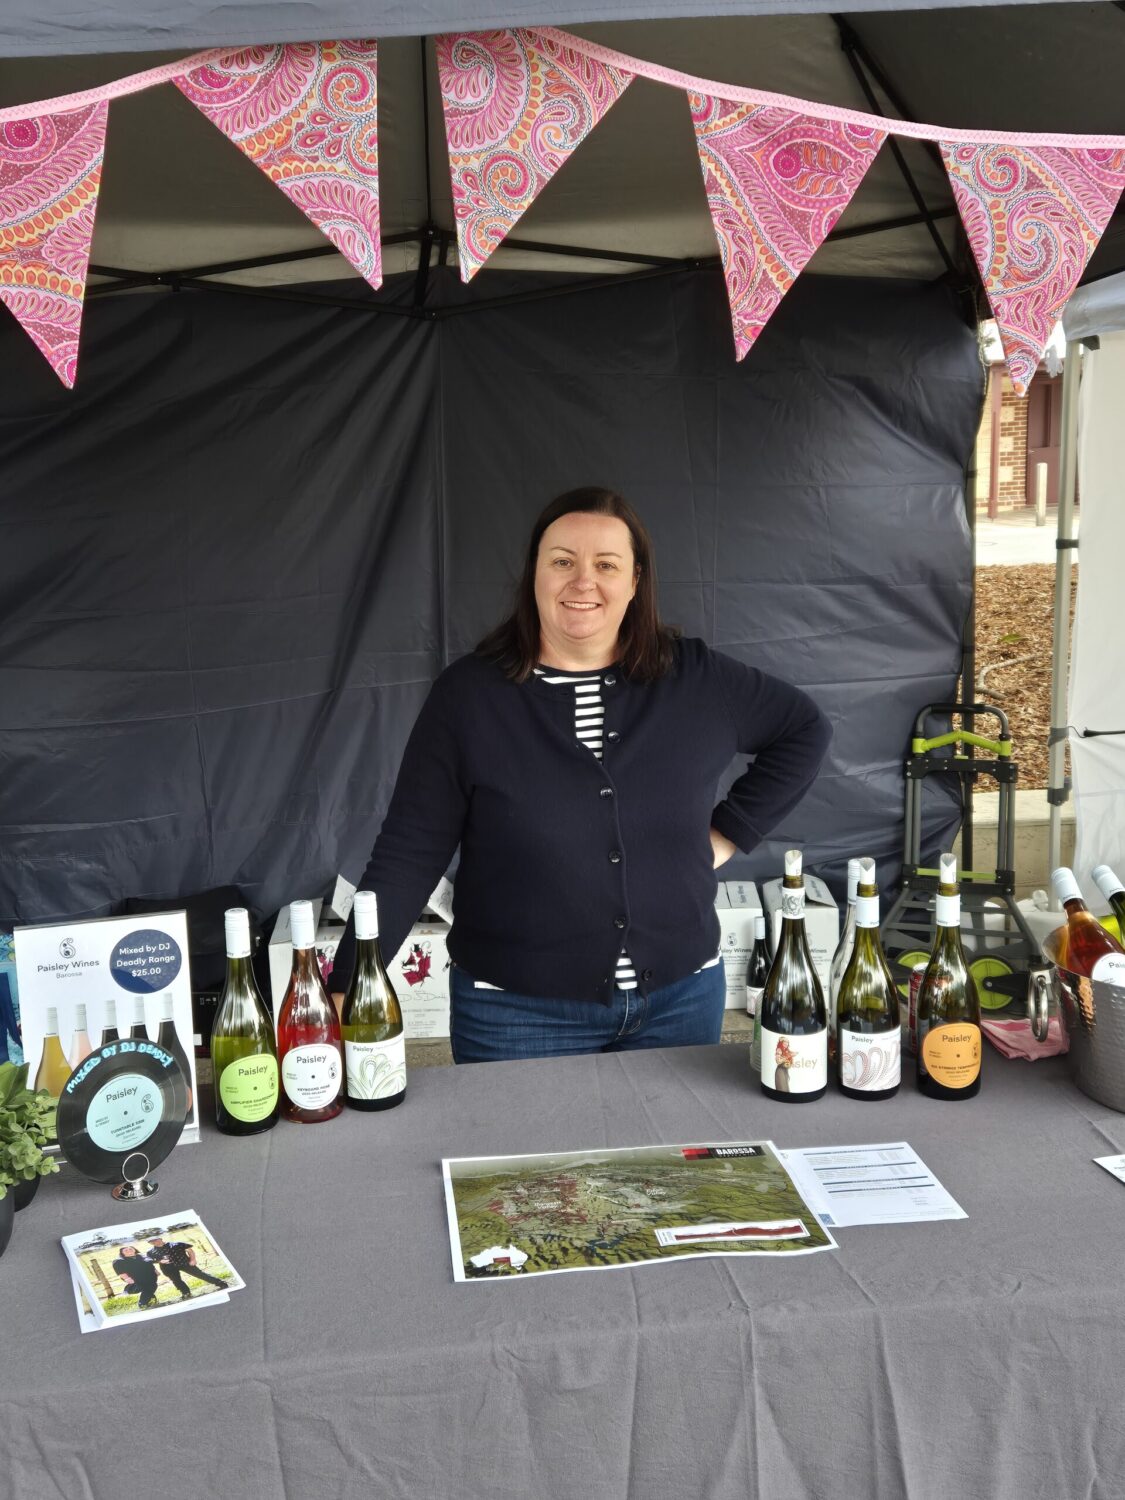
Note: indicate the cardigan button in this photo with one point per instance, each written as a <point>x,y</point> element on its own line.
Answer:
<point>619,923</point>
<point>615,856</point>
<point>646,974</point>
<point>610,680</point>
<point>606,791</point>
<point>613,736</point>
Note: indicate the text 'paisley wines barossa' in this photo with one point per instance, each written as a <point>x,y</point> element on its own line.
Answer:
<point>308,1032</point>
<point>868,1025</point>
<point>794,1024</point>
<point>949,1036</point>
<point>243,1049</point>
<point>374,1045</point>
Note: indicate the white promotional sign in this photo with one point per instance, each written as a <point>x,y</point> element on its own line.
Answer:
<point>125,971</point>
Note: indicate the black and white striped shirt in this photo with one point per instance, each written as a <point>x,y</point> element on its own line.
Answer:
<point>589,718</point>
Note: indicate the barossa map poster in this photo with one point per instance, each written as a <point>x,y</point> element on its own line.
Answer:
<point>578,1210</point>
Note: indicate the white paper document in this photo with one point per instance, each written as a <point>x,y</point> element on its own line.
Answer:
<point>881,1184</point>
<point>1115,1165</point>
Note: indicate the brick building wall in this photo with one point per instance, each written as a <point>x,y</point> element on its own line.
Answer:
<point>1012,480</point>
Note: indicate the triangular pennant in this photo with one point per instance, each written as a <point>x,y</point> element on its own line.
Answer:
<point>776,183</point>
<point>1034,217</point>
<point>50,170</point>
<point>516,106</point>
<point>305,113</point>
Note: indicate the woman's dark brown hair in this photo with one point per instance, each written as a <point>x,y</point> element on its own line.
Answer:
<point>645,644</point>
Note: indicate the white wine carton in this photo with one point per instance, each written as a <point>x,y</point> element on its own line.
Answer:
<point>822,923</point>
<point>149,1268</point>
<point>419,972</point>
<point>739,907</point>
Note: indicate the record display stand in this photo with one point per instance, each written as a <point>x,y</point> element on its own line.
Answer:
<point>120,1114</point>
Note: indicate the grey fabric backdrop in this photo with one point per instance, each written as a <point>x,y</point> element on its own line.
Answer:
<point>232,561</point>
<point>978,1359</point>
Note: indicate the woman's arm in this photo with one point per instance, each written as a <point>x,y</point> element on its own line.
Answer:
<point>788,736</point>
<point>419,835</point>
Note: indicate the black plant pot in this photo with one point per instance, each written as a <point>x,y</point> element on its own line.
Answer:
<point>24,1191</point>
<point>7,1219</point>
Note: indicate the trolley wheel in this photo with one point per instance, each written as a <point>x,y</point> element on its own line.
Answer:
<point>909,961</point>
<point>990,968</point>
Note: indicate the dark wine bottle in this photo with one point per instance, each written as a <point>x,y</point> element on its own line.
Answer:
<point>243,1048</point>
<point>308,1033</point>
<point>949,1037</point>
<point>110,1032</point>
<point>1088,950</point>
<point>842,957</point>
<point>757,969</point>
<point>138,1032</point>
<point>168,1038</point>
<point>371,1023</point>
<point>794,1023</point>
<point>868,1025</point>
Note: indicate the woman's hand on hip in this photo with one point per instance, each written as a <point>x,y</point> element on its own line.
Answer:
<point>721,848</point>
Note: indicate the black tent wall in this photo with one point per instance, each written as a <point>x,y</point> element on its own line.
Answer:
<point>234,558</point>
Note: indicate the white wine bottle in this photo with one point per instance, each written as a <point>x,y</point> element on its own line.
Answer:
<point>842,956</point>
<point>243,1049</point>
<point>949,1036</point>
<point>371,1023</point>
<point>794,1024</point>
<point>54,1070</point>
<point>1114,892</point>
<point>868,1025</point>
<point>757,968</point>
<point>308,1032</point>
<point>169,1038</point>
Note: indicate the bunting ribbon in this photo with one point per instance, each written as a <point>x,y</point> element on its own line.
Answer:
<point>1033,217</point>
<point>776,183</point>
<point>516,106</point>
<point>305,114</point>
<point>50,170</point>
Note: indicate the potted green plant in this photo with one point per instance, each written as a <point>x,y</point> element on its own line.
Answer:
<point>26,1126</point>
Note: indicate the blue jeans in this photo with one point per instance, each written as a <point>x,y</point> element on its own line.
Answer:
<point>489,1025</point>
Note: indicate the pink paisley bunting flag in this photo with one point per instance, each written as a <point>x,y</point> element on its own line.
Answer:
<point>305,114</point>
<point>516,106</point>
<point>776,183</point>
<point>50,170</point>
<point>1034,216</point>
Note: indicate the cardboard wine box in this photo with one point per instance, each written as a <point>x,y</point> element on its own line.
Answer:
<point>737,904</point>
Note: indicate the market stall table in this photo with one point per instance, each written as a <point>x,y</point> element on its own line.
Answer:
<point>980,1357</point>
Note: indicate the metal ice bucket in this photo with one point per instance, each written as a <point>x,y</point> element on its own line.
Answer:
<point>1093,1015</point>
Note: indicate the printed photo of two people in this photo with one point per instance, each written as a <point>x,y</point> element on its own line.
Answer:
<point>143,1268</point>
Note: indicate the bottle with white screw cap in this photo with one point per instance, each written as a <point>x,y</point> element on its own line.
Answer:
<point>308,1032</point>
<point>243,1046</point>
<point>868,1026</point>
<point>794,1057</point>
<point>949,1035</point>
<point>1088,950</point>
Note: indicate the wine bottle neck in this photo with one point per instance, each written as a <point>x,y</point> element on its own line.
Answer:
<point>368,958</point>
<point>305,965</point>
<point>240,974</point>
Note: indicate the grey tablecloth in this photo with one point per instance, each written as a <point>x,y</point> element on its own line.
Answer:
<point>981,1358</point>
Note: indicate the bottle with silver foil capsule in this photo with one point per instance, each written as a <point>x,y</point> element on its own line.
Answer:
<point>949,1036</point>
<point>1088,950</point>
<point>1114,892</point>
<point>308,1032</point>
<point>842,956</point>
<point>371,1023</point>
<point>794,1023</point>
<point>868,1024</point>
<point>243,1047</point>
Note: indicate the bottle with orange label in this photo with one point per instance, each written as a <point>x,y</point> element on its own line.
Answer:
<point>949,1035</point>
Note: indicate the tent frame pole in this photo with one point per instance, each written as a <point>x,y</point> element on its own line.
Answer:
<point>1058,783</point>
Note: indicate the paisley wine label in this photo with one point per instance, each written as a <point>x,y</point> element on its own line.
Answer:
<point>947,911</point>
<point>248,1087</point>
<point>1110,969</point>
<point>124,1113</point>
<point>867,911</point>
<point>951,1054</point>
<point>868,1062</point>
<point>376,1070</point>
<point>311,1075</point>
<point>794,1064</point>
<point>793,903</point>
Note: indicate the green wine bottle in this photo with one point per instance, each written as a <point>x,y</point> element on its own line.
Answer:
<point>868,1026</point>
<point>243,1047</point>
<point>371,1022</point>
<point>949,1036</point>
<point>794,1024</point>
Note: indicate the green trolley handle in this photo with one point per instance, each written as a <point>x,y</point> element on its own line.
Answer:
<point>1001,748</point>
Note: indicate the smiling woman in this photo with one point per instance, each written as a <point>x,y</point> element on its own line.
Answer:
<point>574,758</point>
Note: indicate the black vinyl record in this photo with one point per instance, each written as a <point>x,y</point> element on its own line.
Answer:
<point>122,1110</point>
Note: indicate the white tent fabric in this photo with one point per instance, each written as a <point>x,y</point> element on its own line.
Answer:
<point>1097,688</point>
<point>1096,309</point>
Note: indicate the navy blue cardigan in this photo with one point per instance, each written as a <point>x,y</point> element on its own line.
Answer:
<point>564,858</point>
